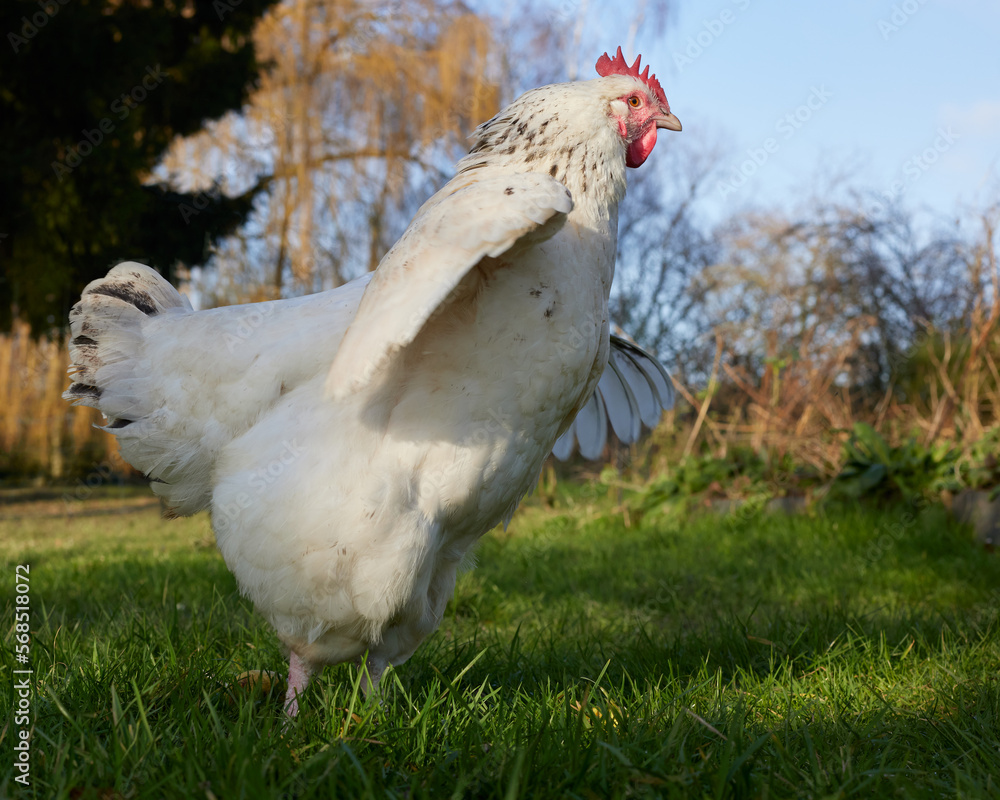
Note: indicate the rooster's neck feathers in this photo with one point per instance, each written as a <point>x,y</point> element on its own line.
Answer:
<point>564,131</point>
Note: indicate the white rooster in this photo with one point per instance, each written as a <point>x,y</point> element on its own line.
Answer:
<point>353,445</point>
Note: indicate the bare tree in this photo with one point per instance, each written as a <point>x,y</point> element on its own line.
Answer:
<point>831,265</point>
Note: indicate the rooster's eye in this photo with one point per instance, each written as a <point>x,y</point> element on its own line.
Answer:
<point>634,101</point>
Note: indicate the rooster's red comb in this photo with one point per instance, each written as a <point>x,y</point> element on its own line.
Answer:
<point>619,66</point>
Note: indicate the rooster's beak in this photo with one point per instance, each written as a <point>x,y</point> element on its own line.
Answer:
<point>668,121</point>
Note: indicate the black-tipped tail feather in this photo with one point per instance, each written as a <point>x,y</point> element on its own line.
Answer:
<point>106,331</point>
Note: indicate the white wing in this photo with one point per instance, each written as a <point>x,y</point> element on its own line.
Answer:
<point>465,222</point>
<point>633,391</point>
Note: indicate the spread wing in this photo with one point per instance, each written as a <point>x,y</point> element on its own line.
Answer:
<point>633,391</point>
<point>465,222</point>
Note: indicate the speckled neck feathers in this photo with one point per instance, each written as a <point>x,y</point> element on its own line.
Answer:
<point>564,131</point>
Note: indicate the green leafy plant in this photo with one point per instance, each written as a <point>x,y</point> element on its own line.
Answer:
<point>744,475</point>
<point>875,469</point>
<point>979,466</point>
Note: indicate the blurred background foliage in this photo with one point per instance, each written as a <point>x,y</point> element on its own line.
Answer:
<point>91,94</point>
<point>837,347</point>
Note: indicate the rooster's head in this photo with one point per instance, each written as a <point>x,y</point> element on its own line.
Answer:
<point>639,111</point>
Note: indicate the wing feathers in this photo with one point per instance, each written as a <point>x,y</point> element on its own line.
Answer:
<point>449,237</point>
<point>620,400</point>
<point>633,391</point>
<point>657,379</point>
<point>592,432</point>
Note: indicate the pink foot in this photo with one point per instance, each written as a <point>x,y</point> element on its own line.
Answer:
<point>298,679</point>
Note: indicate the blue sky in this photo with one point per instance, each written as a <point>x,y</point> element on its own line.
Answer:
<point>904,94</point>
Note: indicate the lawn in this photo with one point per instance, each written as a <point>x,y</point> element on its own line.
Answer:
<point>843,653</point>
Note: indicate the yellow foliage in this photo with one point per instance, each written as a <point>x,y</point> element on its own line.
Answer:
<point>40,433</point>
<point>354,95</point>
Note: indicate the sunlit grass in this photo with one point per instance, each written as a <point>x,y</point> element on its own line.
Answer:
<point>680,656</point>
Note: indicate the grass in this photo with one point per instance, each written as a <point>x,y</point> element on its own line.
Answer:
<point>847,653</point>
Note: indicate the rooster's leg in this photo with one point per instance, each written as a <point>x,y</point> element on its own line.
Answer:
<point>371,674</point>
<point>298,679</point>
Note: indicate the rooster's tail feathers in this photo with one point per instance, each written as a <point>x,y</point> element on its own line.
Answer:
<point>113,330</point>
<point>106,337</point>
